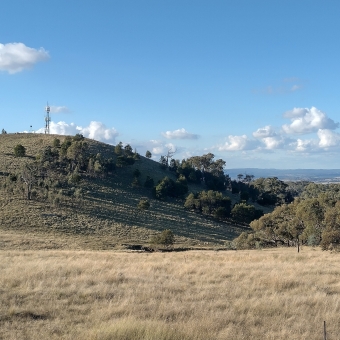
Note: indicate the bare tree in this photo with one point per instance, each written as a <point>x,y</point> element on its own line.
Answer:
<point>29,175</point>
<point>170,154</point>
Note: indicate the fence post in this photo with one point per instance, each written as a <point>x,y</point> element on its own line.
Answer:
<point>324,331</point>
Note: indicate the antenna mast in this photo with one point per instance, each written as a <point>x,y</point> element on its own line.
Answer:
<point>47,120</point>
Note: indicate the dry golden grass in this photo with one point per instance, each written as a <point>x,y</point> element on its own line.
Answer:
<point>271,294</point>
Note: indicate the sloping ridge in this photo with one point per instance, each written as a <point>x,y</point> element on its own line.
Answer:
<point>106,216</point>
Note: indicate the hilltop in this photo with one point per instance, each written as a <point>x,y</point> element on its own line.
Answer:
<point>99,212</point>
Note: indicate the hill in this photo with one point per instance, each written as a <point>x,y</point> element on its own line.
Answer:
<point>99,212</point>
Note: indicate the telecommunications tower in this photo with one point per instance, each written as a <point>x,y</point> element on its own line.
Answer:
<point>47,120</point>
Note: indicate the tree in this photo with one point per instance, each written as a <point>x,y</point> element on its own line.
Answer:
<point>119,148</point>
<point>163,163</point>
<point>210,171</point>
<point>169,154</point>
<point>76,152</point>
<point>191,201</point>
<point>29,174</point>
<point>78,137</point>
<point>245,213</point>
<point>128,150</point>
<point>19,150</point>
<point>209,203</point>
<point>64,146</point>
<point>148,154</point>
<point>4,132</point>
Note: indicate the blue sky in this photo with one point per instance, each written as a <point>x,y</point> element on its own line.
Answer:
<point>255,82</point>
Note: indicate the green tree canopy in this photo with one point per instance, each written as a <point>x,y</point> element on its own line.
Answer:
<point>148,154</point>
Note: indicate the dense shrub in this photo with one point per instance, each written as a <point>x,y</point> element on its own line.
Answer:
<point>166,237</point>
<point>143,204</point>
<point>19,150</point>
<point>243,212</point>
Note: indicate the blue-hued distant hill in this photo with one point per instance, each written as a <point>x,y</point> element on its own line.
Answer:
<point>314,175</point>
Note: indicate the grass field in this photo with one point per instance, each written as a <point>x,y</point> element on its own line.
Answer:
<point>268,294</point>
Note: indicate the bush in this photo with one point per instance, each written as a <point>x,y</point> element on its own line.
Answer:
<point>74,178</point>
<point>244,241</point>
<point>19,151</point>
<point>166,238</point>
<point>56,143</point>
<point>245,213</point>
<point>143,204</point>
<point>149,182</point>
<point>330,239</point>
<point>221,213</point>
<point>135,183</point>
<point>78,137</point>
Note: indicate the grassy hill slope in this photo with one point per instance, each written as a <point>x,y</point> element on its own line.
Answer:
<point>106,216</point>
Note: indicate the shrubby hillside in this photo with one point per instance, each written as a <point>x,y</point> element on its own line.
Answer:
<point>72,192</point>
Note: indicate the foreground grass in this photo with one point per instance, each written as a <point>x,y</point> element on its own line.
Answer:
<point>272,294</point>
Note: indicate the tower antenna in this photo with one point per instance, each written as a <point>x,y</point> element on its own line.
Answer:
<point>47,120</point>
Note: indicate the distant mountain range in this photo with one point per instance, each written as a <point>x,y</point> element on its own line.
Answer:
<point>313,175</point>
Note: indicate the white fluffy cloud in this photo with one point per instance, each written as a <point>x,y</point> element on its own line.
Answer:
<point>96,130</point>
<point>15,57</point>
<point>237,143</point>
<point>264,132</point>
<point>272,143</point>
<point>179,134</point>
<point>304,120</point>
<point>301,145</point>
<point>328,138</point>
<point>160,148</point>
<point>269,137</point>
<point>59,109</point>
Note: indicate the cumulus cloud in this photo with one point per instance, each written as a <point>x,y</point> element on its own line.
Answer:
<point>59,109</point>
<point>328,139</point>
<point>269,137</point>
<point>304,120</point>
<point>95,130</point>
<point>272,143</point>
<point>264,132</point>
<point>62,128</point>
<point>15,57</point>
<point>179,134</point>
<point>305,145</point>
<point>98,131</point>
<point>237,143</point>
<point>160,148</point>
